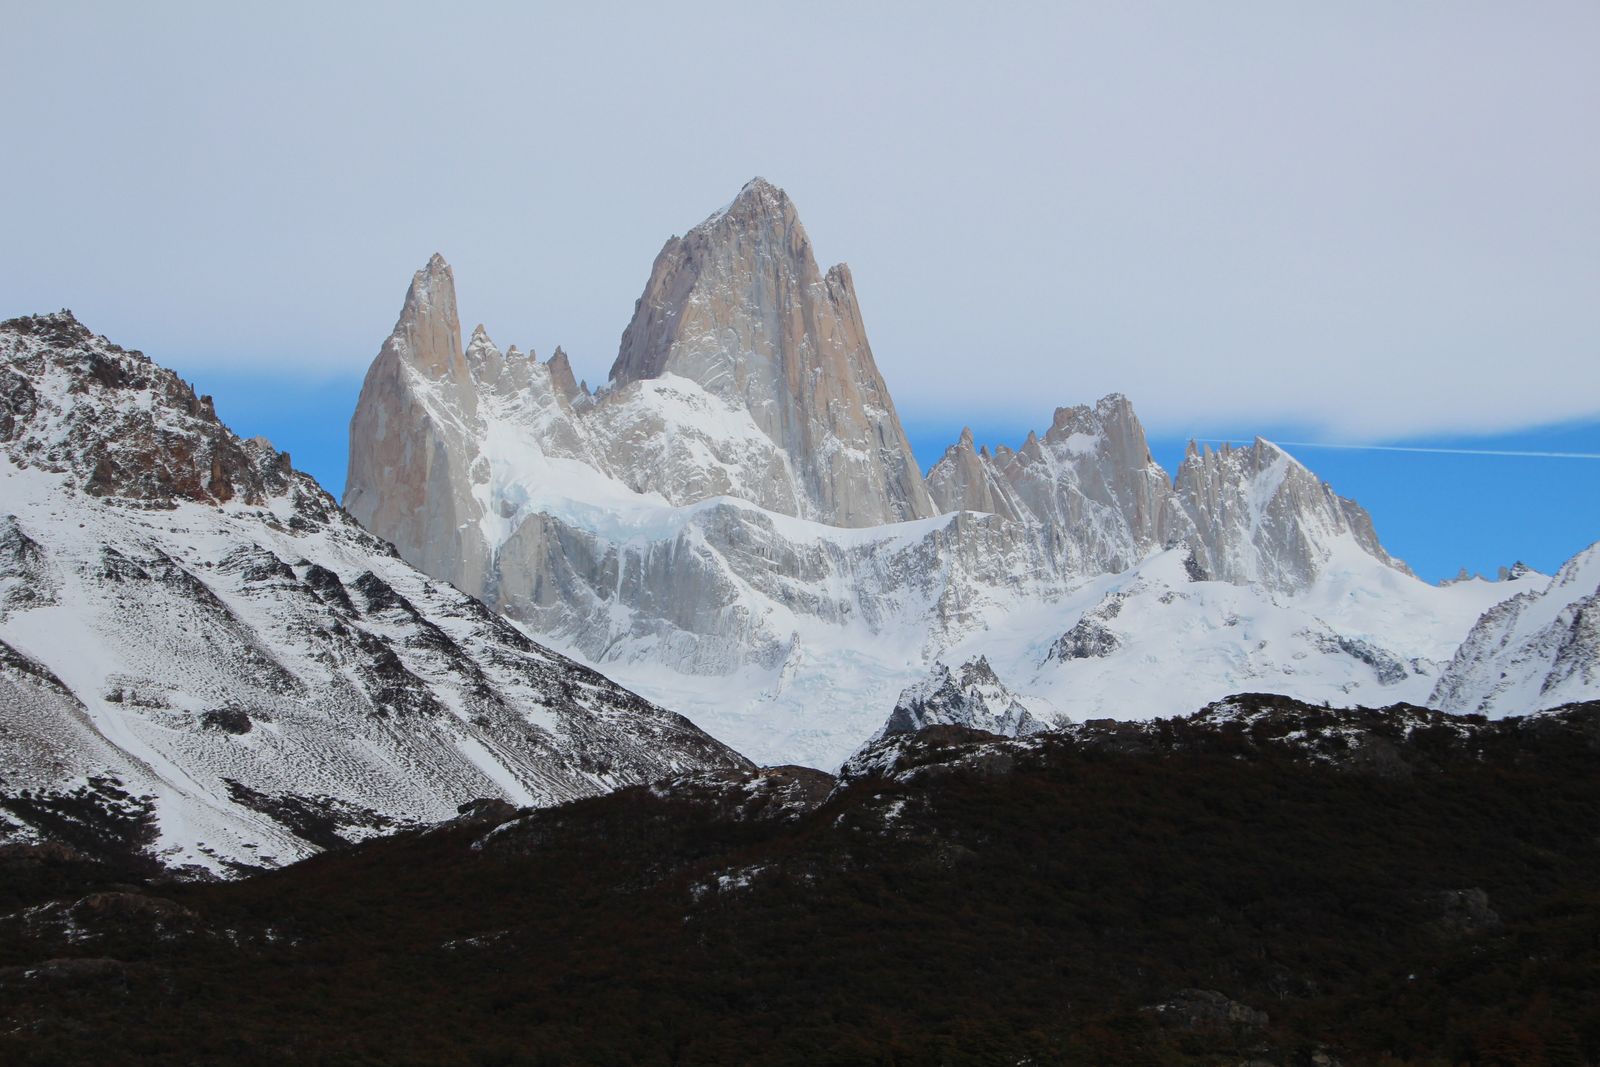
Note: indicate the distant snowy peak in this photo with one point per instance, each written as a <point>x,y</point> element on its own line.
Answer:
<point>450,455</point>
<point>1090,481</point>
<point>1539,649</point>
<point>972,696</point>
<point>1514,573</point>
<point>201,653</point>
<point>739,306</point>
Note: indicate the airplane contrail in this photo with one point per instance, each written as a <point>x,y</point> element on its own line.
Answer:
<point>1436,451</point>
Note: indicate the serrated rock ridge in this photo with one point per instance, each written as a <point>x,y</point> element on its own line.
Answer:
<point>196,626</point>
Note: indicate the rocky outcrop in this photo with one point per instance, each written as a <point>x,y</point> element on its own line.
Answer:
<point>739,306</point>
<point>242,679</point>
<point>1262,517</point>
<point>1090,637</point>
<point>972,696</point>
<point>1538,649</point>
<point>413,438</point>
<point>1248,516</point>
<point>1516,572</point>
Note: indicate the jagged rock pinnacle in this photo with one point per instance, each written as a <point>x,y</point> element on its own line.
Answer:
<point>400,459</point>
<point>561,375</point>
<point>739,306</point>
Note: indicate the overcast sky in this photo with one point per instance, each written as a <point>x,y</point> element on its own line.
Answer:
<point>1370,221</point>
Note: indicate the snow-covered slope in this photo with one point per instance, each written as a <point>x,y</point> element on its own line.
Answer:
<point>1154,640</point>
<point>192,630</point>
<point>1539,649</point>
<point>682,531</point>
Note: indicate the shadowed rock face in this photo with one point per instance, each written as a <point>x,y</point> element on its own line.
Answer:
<point>739,306</point>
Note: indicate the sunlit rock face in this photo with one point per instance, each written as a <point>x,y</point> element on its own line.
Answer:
<point>409,468</point>
<point>739,306</point>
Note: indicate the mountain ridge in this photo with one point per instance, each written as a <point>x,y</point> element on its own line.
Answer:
<point>680,529</point>
<point>203,658</point>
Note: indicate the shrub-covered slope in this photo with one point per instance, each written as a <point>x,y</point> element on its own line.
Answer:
<point>1262,882</point>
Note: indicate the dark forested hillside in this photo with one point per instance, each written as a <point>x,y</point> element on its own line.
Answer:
<point>1264,882</point>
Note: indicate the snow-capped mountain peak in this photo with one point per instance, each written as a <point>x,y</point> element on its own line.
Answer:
<point>202,654</point>
<point>739,306</point>
<point>735,526</point>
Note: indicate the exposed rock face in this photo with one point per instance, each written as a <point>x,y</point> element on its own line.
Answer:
<point>739,306</point>
<point>1262,517</point>
<point>1515,572</point>
<point>1090,637</point>
<point>1536,650</point>
<point>1092,477</point>
<point>1089,483</point>
<point>409,468</point>
<point>1250,516</point>
<point>972,696</point>
<point>726,507</point>
<point>240,673</point>
<point>561,377</point>
<point>170,450</point>
<point>961,481</point>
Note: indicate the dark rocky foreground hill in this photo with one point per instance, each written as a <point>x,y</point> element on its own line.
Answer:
<point>1264,882</point>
